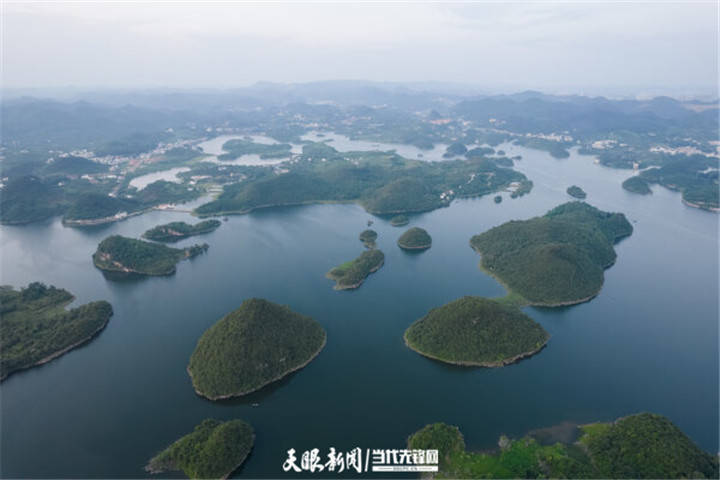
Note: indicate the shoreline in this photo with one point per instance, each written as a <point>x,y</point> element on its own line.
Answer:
<point>275,379</point>
<point>496,364</point>
<point>422,247</point>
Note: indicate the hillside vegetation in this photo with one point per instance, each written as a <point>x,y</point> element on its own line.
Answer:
<point>476,331</point>
<point>639,446</point>
<point>121,254</point>
<point>368,238</point>
<point>174,231</point>
<point>555,259</point>
<point>36,328</point>
<point>383,182</point>
<point>253,346</point>
<point>213,449</point>
<point>352,274</point>
<point>415,238</point>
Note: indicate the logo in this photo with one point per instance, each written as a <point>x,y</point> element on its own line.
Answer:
<point>362,460</point>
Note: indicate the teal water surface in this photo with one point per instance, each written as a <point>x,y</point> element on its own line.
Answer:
<point>648,342</point>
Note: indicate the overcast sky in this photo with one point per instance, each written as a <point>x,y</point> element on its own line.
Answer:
<point>551,46</point>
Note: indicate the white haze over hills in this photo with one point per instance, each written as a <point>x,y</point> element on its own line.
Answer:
<point>613,49</point>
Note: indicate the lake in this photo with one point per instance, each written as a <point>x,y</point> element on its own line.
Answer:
<point>648,342</point>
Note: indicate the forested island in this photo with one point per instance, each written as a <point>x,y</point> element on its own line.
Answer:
<point>399,220</point>
<point>475,331</point>
<point>174,231</point>
<point>251,347</point>
<point>128,255</point>
<point>352,274</point>
<point>637,184</point>
<point>415,238</point>
<point>213,449</point>
<point>556,259</point>
<point>644,445</point>
<point>384,183</point>
<point>238,147</point>
<point>577,192</point>
<point>36,327</point>
<point>368,238</point>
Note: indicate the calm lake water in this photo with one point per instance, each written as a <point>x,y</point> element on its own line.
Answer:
<point>648,342</point>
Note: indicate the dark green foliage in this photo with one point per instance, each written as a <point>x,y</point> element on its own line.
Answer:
<point>455,149</point>
<point>639,446</point>
<point>35,327</point>
<point>238,147</point>
<point>29,199</point>
<point>555,259</point>
<point>476,331</point>
<point>555,149</point>
<point>497,199</point>
<point>163,191</point>
<point>255,345</point>
<point>97,205</point>
<point>133,144</point>
<point>523,188</point>
<point>122,254</point>
<point>637,184</point>
<point>479,152</point>
<point>399,220</point>
<point>384,183</point>
<point>352,274</point>
<point>577,192</point>
<point>446,439</point>
<point>72,165</point>
<point>688,176</point>
<point>403,195</point>
<point>368,238</point>
<point>415,238</point>
<point>213,450</point>
<point>174,231</point>
<point>647,446</point>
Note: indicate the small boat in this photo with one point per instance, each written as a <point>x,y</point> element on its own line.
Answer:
<point>255,404</point>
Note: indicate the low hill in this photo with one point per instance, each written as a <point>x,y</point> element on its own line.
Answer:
<point>556,259</point>
<point>255,345</point>
<point>476,331</point>
<point>415,238</point>
<point>213,450</point>
<point>128,255</point>
<point>639,446</point>
<point>352,274</point>
<point>174,231</point>
<point>36,328</point>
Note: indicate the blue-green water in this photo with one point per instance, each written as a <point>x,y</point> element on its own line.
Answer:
<point>648,342</point>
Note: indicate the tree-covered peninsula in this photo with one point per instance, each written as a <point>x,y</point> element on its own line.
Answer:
<point>368,238</point>
<point>250,347</point>
<point>382,182</point>
<point>352,274</point>
<point>213,449</point>
<point>556,259</point>
<point>415,238</point>
<point>128,255</point>
<point>644,445</point>
<point>577,192</point>
<point>637,184</point>
<point>174,231</point>
<point>36,328</point>
<point>476,331</point>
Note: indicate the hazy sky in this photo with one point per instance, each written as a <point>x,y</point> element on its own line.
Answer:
<point>518,45</point>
